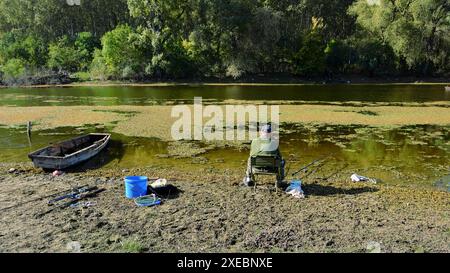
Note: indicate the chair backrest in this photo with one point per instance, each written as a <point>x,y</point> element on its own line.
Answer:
<point>265,161</point>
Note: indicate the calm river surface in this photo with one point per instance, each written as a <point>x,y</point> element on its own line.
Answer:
<point>148,95</point>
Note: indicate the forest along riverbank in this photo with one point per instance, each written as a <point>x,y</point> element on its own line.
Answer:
<point>213,212</point>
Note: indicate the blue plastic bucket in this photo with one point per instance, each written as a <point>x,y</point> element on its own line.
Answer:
<point>135,186</point>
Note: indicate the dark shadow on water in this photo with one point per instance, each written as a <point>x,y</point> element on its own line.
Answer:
<point>321,190</point>
<point>114,150</point>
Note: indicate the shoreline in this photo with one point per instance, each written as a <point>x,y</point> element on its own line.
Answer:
<point>174,84</point>
<point>248,82</point>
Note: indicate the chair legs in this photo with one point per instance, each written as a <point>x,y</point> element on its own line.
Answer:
<point>251,172</point>
<point>278,181</point>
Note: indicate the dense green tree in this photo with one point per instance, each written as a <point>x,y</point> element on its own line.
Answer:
<point>417,30</point>
<point>72,55</point>
<point>63,56</point>
<point>310,60</point>
<point>164,26</point>
<point>86,44</point>
<point>19,45</point>
<point>13,69</point>
<point>337,23</point>
<point>98,69</point>
<point>51,19</point>
<point>127,52</point>
<point>373,58</point>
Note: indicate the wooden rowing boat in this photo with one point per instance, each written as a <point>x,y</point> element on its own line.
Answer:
<point>69,153</point>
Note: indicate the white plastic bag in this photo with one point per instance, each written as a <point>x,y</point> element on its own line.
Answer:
<point>295,189</point>
<point>358,178</point>
<point>160,183</point>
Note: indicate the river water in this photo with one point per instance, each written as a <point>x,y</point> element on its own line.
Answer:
<point>417,155</point>
<point>120,95</point>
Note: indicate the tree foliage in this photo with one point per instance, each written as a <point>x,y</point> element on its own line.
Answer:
<point>146,39</point>
<point>310,59</point>
<point>13,69</point>
<point>418,31</point>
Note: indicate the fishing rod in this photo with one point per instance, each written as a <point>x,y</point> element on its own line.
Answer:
<point>337,171</point>
<point>44,197</point>
<point>75,200</point>
<point>81,196</point>
<point>74,194</point>
<point>319,166</point>
<point>312,163</point>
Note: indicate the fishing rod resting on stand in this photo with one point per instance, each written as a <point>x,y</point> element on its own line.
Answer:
<point>321,159</point>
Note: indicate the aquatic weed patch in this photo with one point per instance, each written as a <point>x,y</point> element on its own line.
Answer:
<point>121,112</point>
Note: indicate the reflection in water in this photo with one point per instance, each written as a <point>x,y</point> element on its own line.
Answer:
<point>119,95</point>
<point>413,154</point>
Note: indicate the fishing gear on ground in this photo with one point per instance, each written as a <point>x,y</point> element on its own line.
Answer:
<point>74,194</point>
<point>76,197</point>
<point>147,201</point>
<point>44,197</point>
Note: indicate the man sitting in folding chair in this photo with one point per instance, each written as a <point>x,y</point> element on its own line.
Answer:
<point>265,158</point>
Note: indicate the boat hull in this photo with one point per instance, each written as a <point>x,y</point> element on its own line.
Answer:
<point>45,160</point>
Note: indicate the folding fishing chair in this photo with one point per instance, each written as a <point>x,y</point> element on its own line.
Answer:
<point>267,165</point>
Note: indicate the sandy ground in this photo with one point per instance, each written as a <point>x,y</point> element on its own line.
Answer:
<point>213,213</point>
<point>156,121</point>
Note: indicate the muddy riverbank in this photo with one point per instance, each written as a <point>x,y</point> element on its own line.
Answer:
<point>212,212</point>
